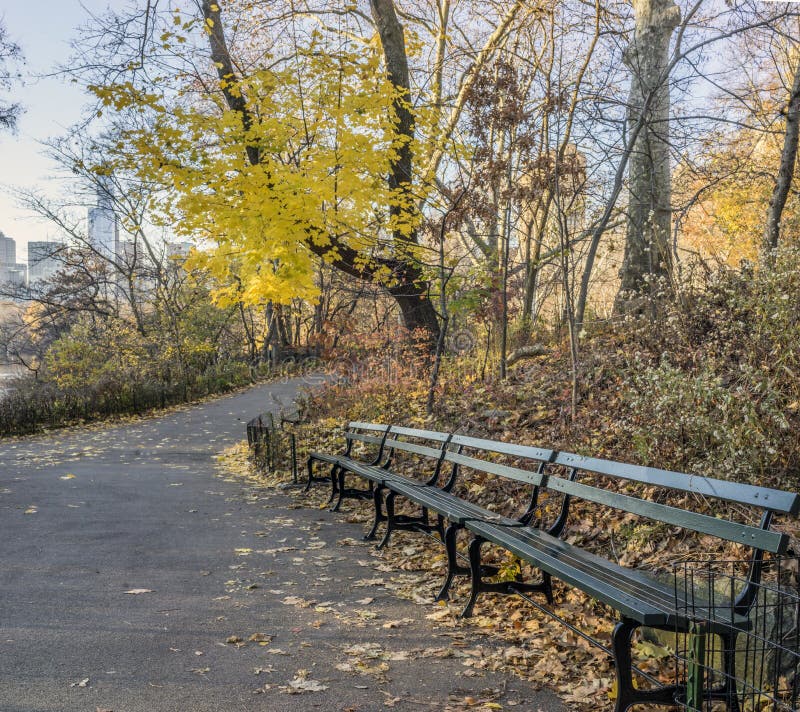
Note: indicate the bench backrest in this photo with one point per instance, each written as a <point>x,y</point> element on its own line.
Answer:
<point>459,451</point>
<point>475,453</point>
<point>762,499</point>
<point>392,438</point>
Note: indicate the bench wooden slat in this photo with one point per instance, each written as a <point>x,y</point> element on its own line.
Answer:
<point>373,472</point>
<point>360,437</point>
<point>375,427</point>
<point>741,493</point>
<point>767,540</point>
<point>393,444</point>
<point>324,457</point>
<point>434,435</point>
<point>453,507</point>
<point>527,451</point>
<point>493,468</point>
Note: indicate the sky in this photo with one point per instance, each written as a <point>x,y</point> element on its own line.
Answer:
<point>43,28</point>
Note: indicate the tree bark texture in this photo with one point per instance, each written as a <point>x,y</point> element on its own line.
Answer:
<point>647,244</point>
<point>786,171</point>
<point>410,290</point>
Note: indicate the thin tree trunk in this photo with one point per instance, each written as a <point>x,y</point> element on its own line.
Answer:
<point>505,246</point>
<point>783,183</point>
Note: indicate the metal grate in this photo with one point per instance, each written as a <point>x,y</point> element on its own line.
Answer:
<point>737,642</point>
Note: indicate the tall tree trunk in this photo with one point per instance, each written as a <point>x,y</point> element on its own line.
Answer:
<point>786,171</point>
<point>410,292</point>
<point>648,254</point>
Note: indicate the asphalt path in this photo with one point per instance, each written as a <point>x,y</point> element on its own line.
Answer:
<point>134,578</point>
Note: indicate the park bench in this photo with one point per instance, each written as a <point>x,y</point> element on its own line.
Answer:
<point>641,598</point>
<point>433,492</point>
<point>374,469</point>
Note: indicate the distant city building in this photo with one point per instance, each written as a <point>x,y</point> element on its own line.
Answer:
<point>127,252</point>
<point>178,249</point>
<point>137,259</point>
<point>43,260</point>
<point>103,223</point>
<point>8,250</point>
<point>11,272</point>
<point>16,274</point>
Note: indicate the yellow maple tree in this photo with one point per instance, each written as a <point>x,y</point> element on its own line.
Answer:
<point>324,132</point>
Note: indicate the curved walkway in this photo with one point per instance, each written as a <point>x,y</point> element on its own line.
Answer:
<point>134,579</point>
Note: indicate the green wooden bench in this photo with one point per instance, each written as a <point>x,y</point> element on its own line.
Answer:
<point>375,468</point>
<point>640,598</point>
<point>355,433</point>
<point>432,489</point>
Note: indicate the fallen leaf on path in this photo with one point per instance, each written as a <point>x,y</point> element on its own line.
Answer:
<point>293,601</point>
<point>370,582</point>
<point>69,476</point>
<point>303,684</point>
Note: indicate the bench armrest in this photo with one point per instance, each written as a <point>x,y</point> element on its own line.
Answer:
<point>558,526</point>
<point>451,481</point>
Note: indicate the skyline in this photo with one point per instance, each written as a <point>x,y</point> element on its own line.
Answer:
<point>44,30</point>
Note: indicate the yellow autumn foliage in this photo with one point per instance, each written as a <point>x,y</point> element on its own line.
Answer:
<point>324,130</point>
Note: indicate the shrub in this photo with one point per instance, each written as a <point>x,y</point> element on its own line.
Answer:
<point>724,394</point>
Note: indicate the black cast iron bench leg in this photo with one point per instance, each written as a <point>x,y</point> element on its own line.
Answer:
<point>377,498</point>
<point>334,483</point>
<point>479,570</point>
<point>453,567</point>
<point>338,490</point>
<point>627,694</point>
<point>729,656</point>
<point>311,479</point>
<point>406,522</point>
<point>345,492</point>
<point>390,520</point>
<point>727,692</point>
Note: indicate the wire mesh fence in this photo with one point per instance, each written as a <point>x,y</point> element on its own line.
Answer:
<point>738,642</point>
